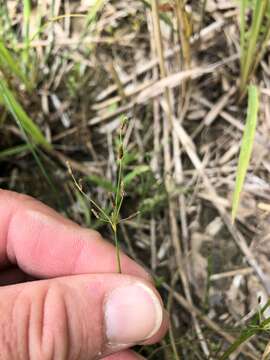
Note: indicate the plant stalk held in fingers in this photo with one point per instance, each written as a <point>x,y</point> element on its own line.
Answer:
<point>113,219</point>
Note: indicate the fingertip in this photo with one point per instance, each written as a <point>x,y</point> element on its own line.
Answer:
<point>161,332</point>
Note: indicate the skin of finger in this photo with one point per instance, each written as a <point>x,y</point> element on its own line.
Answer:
<point>58,319</point>
<point>44,244</point>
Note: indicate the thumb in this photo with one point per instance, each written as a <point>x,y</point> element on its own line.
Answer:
<point>78,317</point>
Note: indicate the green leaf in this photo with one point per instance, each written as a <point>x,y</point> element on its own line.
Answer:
<point>20,115</point>
<point>247,146</point>
<point>101,182</point>
<point>134,173</point>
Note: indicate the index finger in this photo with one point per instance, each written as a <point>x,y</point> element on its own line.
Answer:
<point>45,244</point>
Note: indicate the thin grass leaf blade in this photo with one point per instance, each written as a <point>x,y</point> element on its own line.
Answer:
<point>92,13</point>
<point>139,170</point>
<point>7,62</point>
<point>246,147</point>
<point>252,329</point>
<point>20,115</point>
<point>15,150</point>
<point>25,124</point>
<point>245,335</point>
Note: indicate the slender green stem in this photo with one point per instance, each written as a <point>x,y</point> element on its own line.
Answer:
<point>118,260</point>
<point>118,188</point>
<point>119,196</point>
<point>118,204</point>
<point>114,218</point>
<point>119,207</point>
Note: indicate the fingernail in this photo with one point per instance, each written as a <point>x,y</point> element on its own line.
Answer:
<point>133,314</point>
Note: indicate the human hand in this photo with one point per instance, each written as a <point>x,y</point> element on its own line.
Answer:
<point>76,307</point>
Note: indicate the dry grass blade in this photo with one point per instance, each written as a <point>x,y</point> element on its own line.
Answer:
<point>246,147</point>
<point>266,354</point>
<point>185,28</point>
<point>174,80</point>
